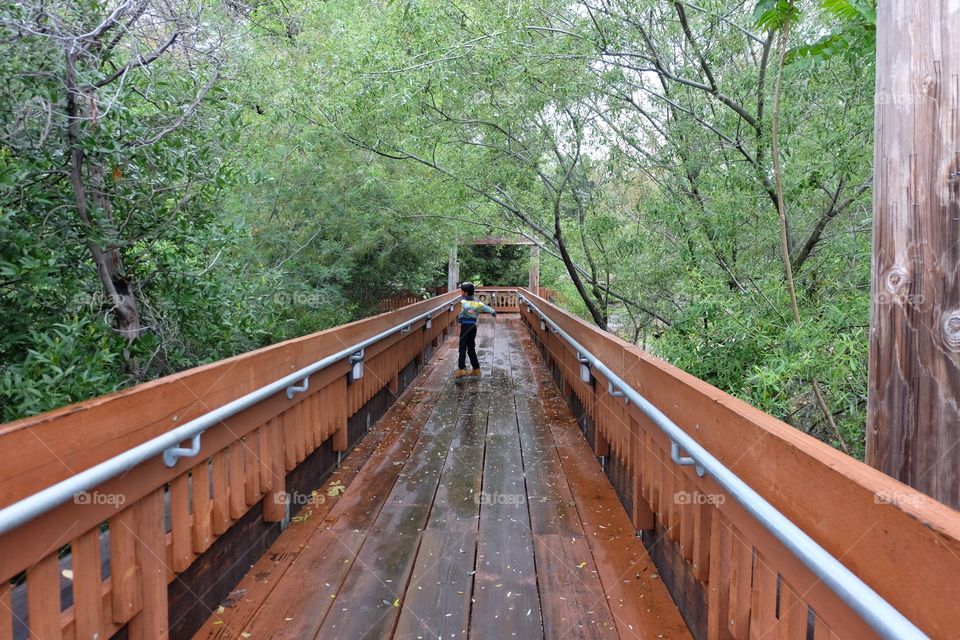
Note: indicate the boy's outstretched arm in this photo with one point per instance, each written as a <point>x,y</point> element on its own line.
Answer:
<point>487,309</point>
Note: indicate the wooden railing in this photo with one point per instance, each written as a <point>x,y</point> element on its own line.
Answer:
<point>729,575</point>
<point>398,301</point>
<point>502,299</point>
<point>103,561</point>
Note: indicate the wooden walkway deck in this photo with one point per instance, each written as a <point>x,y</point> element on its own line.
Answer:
<point>472,509</point>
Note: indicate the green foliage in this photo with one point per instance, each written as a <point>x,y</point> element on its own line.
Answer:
<point>854,34</point>
<point>495,265</point>
<point>343,147</point>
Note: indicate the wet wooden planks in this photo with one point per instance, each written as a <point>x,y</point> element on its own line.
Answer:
<point>506,601</point>
<point>481,513</point>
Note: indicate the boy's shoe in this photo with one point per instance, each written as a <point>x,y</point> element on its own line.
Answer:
<point>460,373</point>
<point>475,372</point>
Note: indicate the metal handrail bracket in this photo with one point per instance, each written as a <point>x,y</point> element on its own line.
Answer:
<point>293,389</point>
<point>585,374</point>
<point>171,455</point>
<point>356,366</point>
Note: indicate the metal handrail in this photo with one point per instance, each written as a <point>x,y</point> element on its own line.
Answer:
<point>879,614</point>
<point>22,511</point>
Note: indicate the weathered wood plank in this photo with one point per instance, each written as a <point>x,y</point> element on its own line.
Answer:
<point>506,599</point>
<point>43,599</point>
<point>914,365</point>
<point>571,594</point>
<point>375,584</point>
<point>437,600</point>
<point>636,597</point>
<point>87,600</point>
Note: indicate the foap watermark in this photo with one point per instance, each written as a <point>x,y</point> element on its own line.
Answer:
<point>298,498</point>
<point>899,498</point>
<point>903,98</point>
<point>499,498</point>
<point>312,299</point>
<point>90,300</point>
<point>97,498</point>
<point>697,497</point>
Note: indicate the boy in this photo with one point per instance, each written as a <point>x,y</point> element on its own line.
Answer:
<point>470,312</point>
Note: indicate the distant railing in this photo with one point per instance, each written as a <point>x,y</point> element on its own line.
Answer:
<point>256,417</point>
<point>713,550</point>
<point>399,301</point>
<point>502,299</point>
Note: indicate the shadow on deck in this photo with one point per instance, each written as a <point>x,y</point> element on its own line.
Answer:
<point>474,508</point>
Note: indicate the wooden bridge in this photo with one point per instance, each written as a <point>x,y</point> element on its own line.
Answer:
<point>343,485</point>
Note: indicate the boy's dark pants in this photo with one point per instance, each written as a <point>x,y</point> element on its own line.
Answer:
<point>468,346</point>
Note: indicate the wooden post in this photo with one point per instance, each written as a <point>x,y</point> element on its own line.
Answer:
<point>453,270</point>
<point>913,421</point>
<point>534,269</point>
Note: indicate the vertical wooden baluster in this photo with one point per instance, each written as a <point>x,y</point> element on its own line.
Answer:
<point>321,414</point>
<point>316,422</point>
<point>221,493</point>
<point>6,612</point>
<point>687,511</point>
<point>275,502</point>
<point>202,516</point>
<point>642,514</point>
<point>181,523</point>
<point>763,602</point>
<point>265,457</point>
<point>329,411</point>
<point>87,605</point>
<point>303,430</point>
<point>741,576</point>
<point>340,435</point>
<point>124,571</point>
<point>289,440</point>
<point>251,467</point>
<point>152,620</point>
<point>625,439</point>
<point>703,516</point>
<point>669,497</point>
<point>793,614</point>
<point>822,631</point>
<point>296,415</point>
<point>661,492</point>
<point>43,599</point>
<point>648,473</point>
<point>718,588</point>
<point>238,505</point>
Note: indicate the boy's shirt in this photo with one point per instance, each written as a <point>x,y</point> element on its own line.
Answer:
<point>471,310</point>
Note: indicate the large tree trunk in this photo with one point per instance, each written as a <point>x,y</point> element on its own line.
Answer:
<point>117,287</point>
<point>913,409</point>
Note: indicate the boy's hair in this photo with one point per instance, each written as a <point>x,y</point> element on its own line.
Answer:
<point>467,288</point>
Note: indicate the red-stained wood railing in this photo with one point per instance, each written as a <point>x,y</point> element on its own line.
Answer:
<point>502,299</point>
<point>398,301</point>
<point>903,544</point>
<point>154,522</point>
